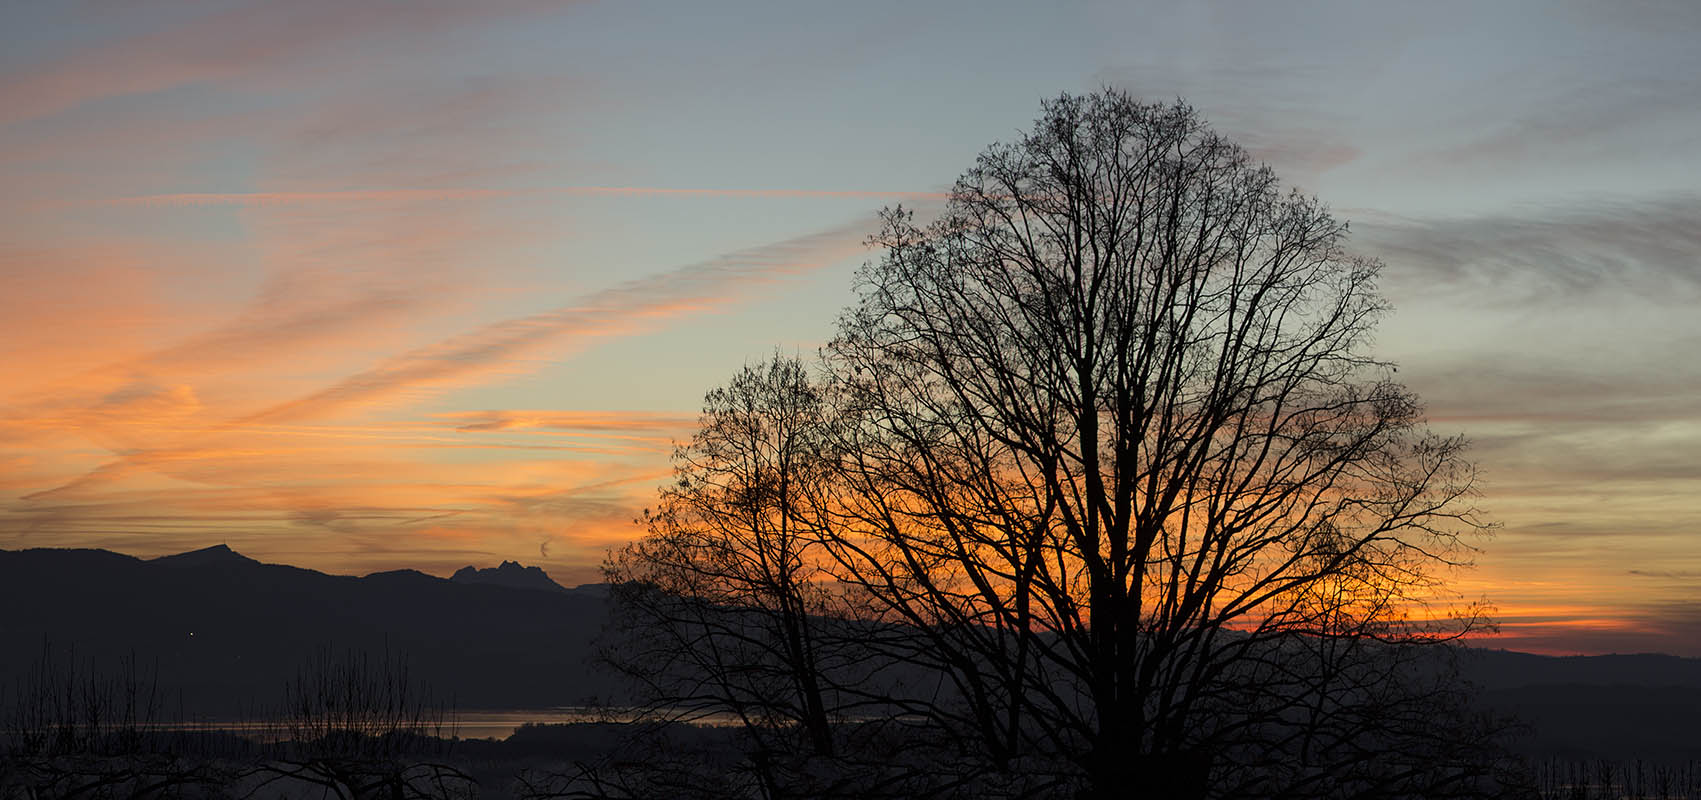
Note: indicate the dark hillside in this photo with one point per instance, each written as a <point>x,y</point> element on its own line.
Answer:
<point>226,631</point>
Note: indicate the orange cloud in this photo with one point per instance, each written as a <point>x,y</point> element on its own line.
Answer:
<point>73,307</point>
<point>569,421</point>
<point>177,455</point>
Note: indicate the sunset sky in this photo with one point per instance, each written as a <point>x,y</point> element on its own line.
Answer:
<point>365,286</point>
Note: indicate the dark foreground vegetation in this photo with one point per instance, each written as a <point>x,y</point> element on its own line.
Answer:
<point>355,726</point>
<point>1607,779</point>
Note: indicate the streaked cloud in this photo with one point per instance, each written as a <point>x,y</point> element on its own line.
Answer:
<point>248,41</point>
<point>1667,574</point>
<point>1673,628</point>
<point>598,421</point>
<point>356,196</point>
<point>1642,246</point>
<point>178,463</point>
<point>624,308</point>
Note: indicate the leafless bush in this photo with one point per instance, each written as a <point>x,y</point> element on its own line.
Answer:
<point>71,730</point>
<point>1606,779</point>
<point>359,727</point>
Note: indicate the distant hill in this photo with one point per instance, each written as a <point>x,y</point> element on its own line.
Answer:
<point>1640,706</point>
<point>226,632</point>
<point>1507,669</point>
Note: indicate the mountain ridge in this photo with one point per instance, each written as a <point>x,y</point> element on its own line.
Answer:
<point>224,633</point>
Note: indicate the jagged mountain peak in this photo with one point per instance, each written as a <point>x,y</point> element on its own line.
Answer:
<point>512,574</point>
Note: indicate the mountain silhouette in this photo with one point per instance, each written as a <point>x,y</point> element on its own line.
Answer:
<point>225,632</point>
<point>510,574</point>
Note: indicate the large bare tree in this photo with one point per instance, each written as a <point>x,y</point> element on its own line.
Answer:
<point>1102,487</point>
<point>1112,441</point>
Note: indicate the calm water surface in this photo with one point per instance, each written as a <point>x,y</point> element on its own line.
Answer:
<point>465,724</point>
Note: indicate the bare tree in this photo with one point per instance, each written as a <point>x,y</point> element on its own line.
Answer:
<point>1104,486</point>
<point>1113,451</point>
<point>72,730</point>
<point>720,603</point>
<point>726,611</point>
<point>359,727</point>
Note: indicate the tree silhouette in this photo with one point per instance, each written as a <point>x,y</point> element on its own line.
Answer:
<point>1101,453</point>
<point>722,603</point>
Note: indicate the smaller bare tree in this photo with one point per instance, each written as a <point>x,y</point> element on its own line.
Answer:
<point>78,732</point>
<point>360,727</point>
<point>721,610</point>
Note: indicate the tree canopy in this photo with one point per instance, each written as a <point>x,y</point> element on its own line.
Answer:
<point>1101,452</point>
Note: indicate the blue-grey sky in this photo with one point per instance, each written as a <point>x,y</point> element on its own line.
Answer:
<point>420,284</point>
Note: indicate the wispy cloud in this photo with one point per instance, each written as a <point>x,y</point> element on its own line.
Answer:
<point>206,452</point>
<point>1673,628</point>
<point>262,199</point>
<point>617,421</point>
<point>1589,117</point>
<point>1644,247</point>
<point>1559,389</point>
<point>1274,110</point>
<point>203,376</point>
<point>620,309</point>
<point>341,496</point>
<point>224,45</point>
